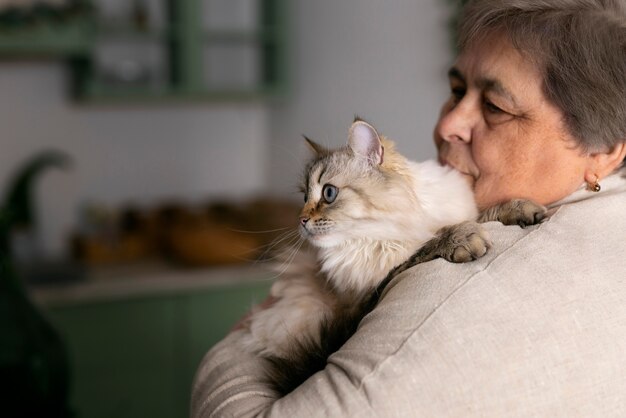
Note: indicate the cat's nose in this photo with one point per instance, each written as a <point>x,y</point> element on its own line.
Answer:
<point>304,220</point>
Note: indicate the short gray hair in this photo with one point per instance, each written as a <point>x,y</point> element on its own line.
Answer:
<point>580,48</point>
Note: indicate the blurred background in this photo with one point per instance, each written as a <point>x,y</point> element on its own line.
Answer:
<point>144,146</point>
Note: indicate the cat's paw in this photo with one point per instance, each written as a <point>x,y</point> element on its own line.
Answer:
<point>522,212</point>
<point>463,242</point>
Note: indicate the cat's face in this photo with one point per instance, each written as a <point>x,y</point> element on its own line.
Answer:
<point>359,191</point>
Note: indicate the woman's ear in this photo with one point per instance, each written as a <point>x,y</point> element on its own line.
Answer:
<point>604,163</point>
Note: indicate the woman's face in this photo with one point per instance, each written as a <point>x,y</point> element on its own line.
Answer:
<point>499,130</point>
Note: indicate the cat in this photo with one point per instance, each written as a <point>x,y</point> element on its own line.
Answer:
<point>369,214</point>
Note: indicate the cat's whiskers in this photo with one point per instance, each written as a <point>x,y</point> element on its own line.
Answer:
<point>254,255</point>
<point>287,239</point>
<point>287,263</point>
<point>267,231</point>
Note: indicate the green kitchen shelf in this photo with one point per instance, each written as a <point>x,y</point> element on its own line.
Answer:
<point>73,38</point>
<point>185,45</point>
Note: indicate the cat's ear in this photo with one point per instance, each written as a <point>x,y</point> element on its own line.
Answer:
<point>364,140</point>
<point>317,149</point>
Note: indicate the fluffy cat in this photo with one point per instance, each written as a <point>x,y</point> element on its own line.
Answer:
<point>369,213</point>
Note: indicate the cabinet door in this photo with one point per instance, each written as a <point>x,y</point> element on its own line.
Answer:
<point>124,357</point>
<point>212,314</point>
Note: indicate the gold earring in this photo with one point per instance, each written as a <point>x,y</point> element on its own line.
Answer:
<point>594,186</point>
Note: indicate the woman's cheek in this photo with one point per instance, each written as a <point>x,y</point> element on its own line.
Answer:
<point>483,157</point>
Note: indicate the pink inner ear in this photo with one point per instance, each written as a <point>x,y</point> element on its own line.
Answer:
<point>364,141</point>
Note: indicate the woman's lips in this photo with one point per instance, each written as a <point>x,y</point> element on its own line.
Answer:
<point>470,178</point>
<point>445,163</point>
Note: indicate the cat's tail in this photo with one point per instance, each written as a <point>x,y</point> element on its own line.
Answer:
<point>308,356</point>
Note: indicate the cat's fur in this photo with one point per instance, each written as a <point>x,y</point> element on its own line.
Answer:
<point>384,218</point>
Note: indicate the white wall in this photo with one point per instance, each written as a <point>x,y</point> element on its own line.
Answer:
<point>385,61</point>
<point>124,154</point>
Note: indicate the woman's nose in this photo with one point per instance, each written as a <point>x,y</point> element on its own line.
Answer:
<point>456,124</point>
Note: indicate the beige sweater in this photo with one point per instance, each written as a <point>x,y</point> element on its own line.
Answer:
<point>535,328</point>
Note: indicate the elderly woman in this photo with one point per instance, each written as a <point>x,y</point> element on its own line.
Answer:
<point>537,327</point>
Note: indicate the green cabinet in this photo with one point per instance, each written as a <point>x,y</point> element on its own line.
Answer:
<point>136,357</point>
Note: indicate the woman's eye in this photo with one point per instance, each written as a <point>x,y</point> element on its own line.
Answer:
<point>491,108</point>
<point>329,193</point>
<point>458,93</point>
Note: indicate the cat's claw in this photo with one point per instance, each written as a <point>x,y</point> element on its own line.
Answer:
<point>521,212</point>
<point>464,242</point>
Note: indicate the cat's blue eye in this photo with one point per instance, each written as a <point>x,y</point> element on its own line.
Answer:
<point>329,193</point>
<point>306,198</point>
